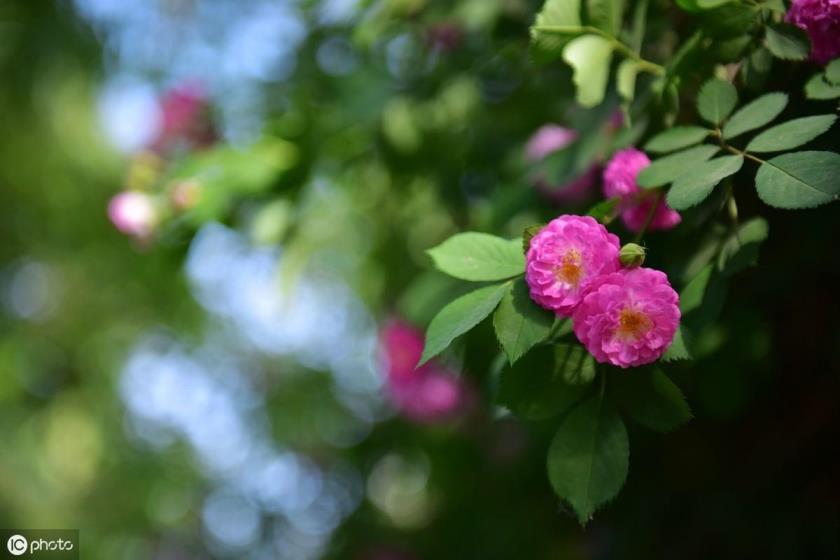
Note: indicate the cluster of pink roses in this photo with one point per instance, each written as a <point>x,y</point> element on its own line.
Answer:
<point>623,316</point>
<point>428,394</point>
<point>184,125</point>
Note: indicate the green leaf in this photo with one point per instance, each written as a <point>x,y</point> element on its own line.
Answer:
<point>574,364</point>
<point>755,114</point>
<point>820,88</point>
<point>625,78</point>
<point>787,41</point>
<point>528,234</point>
<point>799,180</point>
<point>533,389</point>
<point>676,138</point>
<point>589,56</point>
<point>832,71</point>
<point>702,299</point>
<point>605,210</point>
<point>711,4</point>
<point>606,15</point>
<point>557,23</point>
<point>791,134</point>
<point>588,457</point>
<point>740,249</point>
<point>651,398</point>
<point>666,169</point>
<point>519,322</point>
<point>716,100</point>
<point>756,69</point>
<point>459,316</point>
<point>678,350</point>
<point>693,187</point>
<point>479,257</point>
<point>691,296</point>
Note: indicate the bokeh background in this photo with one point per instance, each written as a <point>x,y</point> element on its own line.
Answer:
<point>213,388</point>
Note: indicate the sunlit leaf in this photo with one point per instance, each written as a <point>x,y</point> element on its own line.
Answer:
<point>589,56</point>
<point>606,15</point>
<point>479,257</point>
<point>459,316</point>
<point>625,78</point>
<point>555,25</point>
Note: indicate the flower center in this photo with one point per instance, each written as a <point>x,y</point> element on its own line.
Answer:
<point>570,269</point>
<point>632,324</point>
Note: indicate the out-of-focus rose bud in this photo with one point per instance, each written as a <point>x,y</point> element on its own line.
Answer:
<point>133,213</point>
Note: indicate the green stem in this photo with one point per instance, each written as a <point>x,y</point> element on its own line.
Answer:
<point>644,65</point>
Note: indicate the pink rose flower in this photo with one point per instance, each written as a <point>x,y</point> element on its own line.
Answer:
<point>133,213</point>
<point>620,181</point>
<point>185,119</point>
<point>547,140</point>
<point>565,257</point>
<point>544,142</point>
<point>431,393</point>
<point>821,19</point>
<point>628,318</point>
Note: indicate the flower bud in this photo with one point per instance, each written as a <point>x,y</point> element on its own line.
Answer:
<point>631,255</point>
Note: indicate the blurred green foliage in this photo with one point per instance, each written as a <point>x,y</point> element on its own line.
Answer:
<point>354,173</point>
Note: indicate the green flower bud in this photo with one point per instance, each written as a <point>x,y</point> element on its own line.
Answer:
<point>632,255</point>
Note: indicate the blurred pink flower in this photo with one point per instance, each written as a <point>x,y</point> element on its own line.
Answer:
<point>628,318</point>
<point>547,140</point>
<point>620,181</point>
<point>445,36</point>
<point>821,19</point>
<point>133,213</point>
<point>544,142</point>
<point>185,119</point>
<point>565,257</point>
<point>428,394</point>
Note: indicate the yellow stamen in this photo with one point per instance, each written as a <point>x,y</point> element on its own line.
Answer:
<point>632,324</point>
<point>570,269</point>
